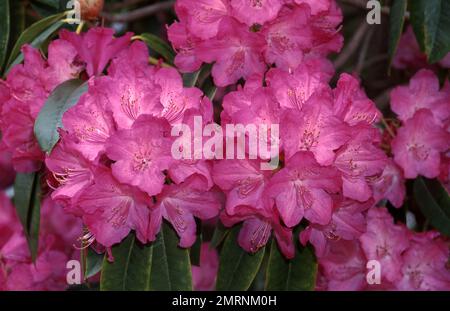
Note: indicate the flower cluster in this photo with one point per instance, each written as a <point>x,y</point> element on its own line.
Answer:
<point>332,167</point>
<point>407,260</point>
<point>244,37</point>
<point>422,143</point>
<point>113,165</point>
<point>28,86</point>
<point>57,235</point>
<point>113,169</point>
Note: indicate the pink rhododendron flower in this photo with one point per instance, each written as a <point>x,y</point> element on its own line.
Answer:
<point>418,145</point>
<point>408,52</point>
<point>255,11</point>
<point>288,37</point>
<point>344,267</point>
<point>317,6</point>
<point>8,220</point>
<point>71,169</point>
<point>184,43</point>
<point>325,31</point>
<point>425,264</point>
<point>243,182</point>
<point>384,242</point>
<point>89,123</point>
<point>141,154</point>
<point>314,129</point>
<point>204,275</point>
<point>203,17</point>
<point>409,55</point>
<point>239,34</point>
<point>347,223</point>
<point>181,169</point>
<point>96,47</point>
<point>57,234</point>
<point>63,62</point>
<point>390,185</point>
<point>235,51</point>
<point>129,94</point>
<point>292,90</point>
<point>29,85</point>
<point>174,99</point>
<point>422,93</point>
<point>258,225</point>
<point>178,204</point>
<point>302,189</point>
<point>352,104</point>
<point>111,210</point>
<point>358,161</point>
<point>408,260</point>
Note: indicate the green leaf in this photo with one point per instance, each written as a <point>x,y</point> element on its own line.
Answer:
<point>195,251</point>
<point>94,263</point>
<point>171,269</point>
<point>237,268</point>
<point>396,22</point>
<point>49,119</point>
<point>27,200</point>
<point>220,232</point>
<point>131,268</point>
<point>417,19</point>
<point>298,273</point>
<point>50,3</point>
<point>159,46</point>
<point>38,42</point>
<point>17,11</point>
<point>44,8</point>
<point>189,79</point>
<point>33,35</point>
<point>431,23</point>
<point>434,202</point>
<point>4,30</point>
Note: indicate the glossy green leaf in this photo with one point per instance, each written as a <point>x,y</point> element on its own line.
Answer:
<point>220,232</point>
<point>45,8</point>
<point>431,23</point>
<point>27,200</point>
<point>195,251</point>
<point>396,22</point>
<point>94,263</point>
<point>131,268</point>
<point>158,45</point>
<point>49,119</point>
<point>298,273</point>
<point>237,268</point>
<point>434,202</point>
<point>4,30</point>
<point>33,35</point>
<point>38,42</point>
<point>17,14</point>
<point>189,79</point>
<point>171,264</point>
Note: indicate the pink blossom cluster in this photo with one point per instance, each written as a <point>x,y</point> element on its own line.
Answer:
<point>28,86</point>
<point>332,166</point>
<point>245,37</point>
<point>422,143</point>
<point>407,260</point>
<point>58,233</point>
<point>113,165</point>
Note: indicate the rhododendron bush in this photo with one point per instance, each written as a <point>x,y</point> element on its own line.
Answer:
<point>119,171</point>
